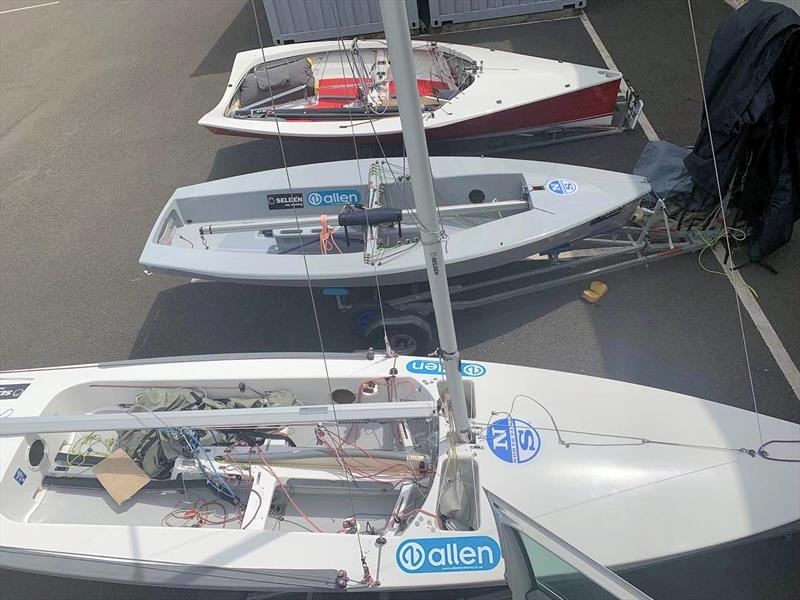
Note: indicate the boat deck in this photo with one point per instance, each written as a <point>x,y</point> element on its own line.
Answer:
<point>83,191</point>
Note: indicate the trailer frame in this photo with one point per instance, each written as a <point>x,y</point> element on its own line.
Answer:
<point>404,315</point>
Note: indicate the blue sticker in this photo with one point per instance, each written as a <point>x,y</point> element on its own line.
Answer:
<point>437,554</point>
<point>20,476</point>
<point>434,367</point>
<point>333,197</point>
<point>513,440</point>
<point>562,187</point>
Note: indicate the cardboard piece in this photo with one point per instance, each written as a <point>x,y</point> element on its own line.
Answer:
<point>120,476</point>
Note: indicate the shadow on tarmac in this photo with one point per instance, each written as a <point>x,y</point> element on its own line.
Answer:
<point>219,317</point>
<point>240,35</point>
<point>212,317</point>
<point>264,154</point>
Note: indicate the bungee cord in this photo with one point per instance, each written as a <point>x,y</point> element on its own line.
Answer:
<point>739,235</point>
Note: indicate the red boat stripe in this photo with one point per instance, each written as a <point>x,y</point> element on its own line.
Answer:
<point>581,105</point>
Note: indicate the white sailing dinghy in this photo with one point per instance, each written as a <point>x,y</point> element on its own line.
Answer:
<point>351,473</point>
<point>347,221</point>
<point>325,90</point>
<point>659,473</point>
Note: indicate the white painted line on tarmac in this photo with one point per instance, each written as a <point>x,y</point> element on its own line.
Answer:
<point>12,10</point>
<point>776,347</point>
<point>764,327</point>
<point>601,48</point>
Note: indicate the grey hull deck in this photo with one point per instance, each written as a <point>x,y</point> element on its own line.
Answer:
<point>561,204</point>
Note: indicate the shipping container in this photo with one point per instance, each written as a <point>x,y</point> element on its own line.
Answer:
<point>309,20</point>
<point>443,12</point>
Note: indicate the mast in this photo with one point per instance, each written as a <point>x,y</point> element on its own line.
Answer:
<point>395,23</point>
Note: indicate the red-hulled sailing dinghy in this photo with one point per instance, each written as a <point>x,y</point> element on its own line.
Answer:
<point>331,90</point>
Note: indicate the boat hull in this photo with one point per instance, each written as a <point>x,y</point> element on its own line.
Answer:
<point>279,278</point>
<point>598,202</point>
<point>589,108</point>
<point>512,93</point>
<point>663,474</point>
<point>207,577</point>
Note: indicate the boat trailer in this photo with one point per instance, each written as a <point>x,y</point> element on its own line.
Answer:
<point>648,239</point>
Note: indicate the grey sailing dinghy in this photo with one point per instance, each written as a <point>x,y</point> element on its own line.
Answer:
<point>352,220</point>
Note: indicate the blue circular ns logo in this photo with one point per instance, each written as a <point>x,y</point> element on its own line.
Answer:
<point>562,187</point>
<point>513,440</point>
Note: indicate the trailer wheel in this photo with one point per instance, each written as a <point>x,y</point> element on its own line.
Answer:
<point>361,314</point>
<point>408,335</point>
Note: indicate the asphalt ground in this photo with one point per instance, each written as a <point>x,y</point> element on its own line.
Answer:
<point>98,110</point>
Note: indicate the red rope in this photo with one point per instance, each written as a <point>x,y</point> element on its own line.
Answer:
<point>286,491</point>
<point>327,241</point>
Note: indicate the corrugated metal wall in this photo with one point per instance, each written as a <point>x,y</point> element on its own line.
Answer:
<point>309,20</point>
<point>462,11</point>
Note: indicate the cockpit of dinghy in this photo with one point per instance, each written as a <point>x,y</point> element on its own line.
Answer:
<point>334,222</point>
<point>345,84</point>
<point>371,475</point>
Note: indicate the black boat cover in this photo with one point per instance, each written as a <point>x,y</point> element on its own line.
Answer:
<point>289,79</point>
<point>752,83</point>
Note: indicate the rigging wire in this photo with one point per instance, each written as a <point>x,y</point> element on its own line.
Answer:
<point>728,268</point>
<point>629,440</point>
<point>305,260</point>
<point>342,54</point>
<point>635,440</point>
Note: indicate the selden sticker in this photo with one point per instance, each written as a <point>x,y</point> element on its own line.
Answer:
<point>333,197</point>
<point>434,367</point>
<point>562,187</point>
<point>281,201</point>
<point>20,476</point>
<point>513,440</point>
<point>438,555</point>
<point>12,390</point>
